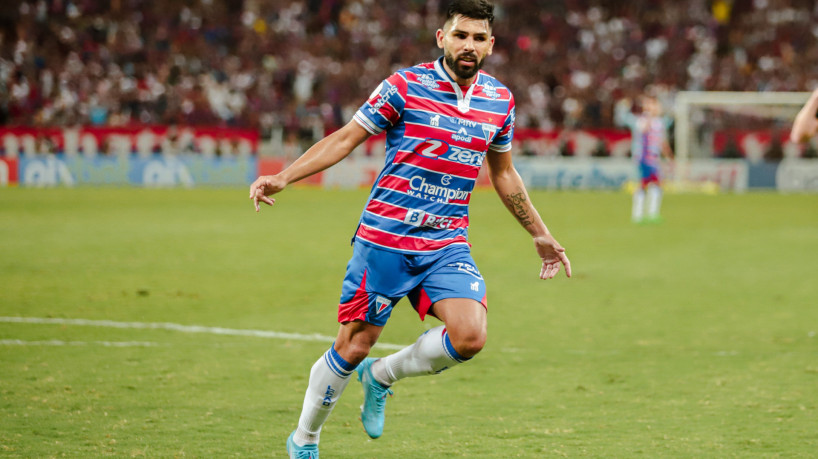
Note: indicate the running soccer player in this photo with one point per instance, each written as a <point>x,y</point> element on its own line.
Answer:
<point>806,122</point>
<point>648,144</point>
<point>442,120</point>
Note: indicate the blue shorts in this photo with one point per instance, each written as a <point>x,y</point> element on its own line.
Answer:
<point>649,174</point>
<point>377,279</point>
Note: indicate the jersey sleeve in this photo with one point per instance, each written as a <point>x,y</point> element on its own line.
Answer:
<point>502,142</point>
<point>385,105</point>
<point>624,117</point>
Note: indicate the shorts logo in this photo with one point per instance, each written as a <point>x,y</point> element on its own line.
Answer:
<point>475,286</point>
<point>381,304</point>
<point>466,268</point>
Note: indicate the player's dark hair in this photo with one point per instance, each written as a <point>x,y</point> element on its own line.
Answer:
<point>473,9</point>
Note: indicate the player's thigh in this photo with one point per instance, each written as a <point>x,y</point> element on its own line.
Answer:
<point>374,282</point>
<point>462,316</point>
<point>453,277</point>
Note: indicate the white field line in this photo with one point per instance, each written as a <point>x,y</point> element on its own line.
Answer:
<point>184,329</point>
<point>56,342</point>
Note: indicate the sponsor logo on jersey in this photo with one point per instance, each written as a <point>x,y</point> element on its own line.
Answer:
<point>434,121</point>
<point>490,90</point>
<point>421,218</point>
<point>434,149</point>
<point>419,187</point>
<point>463,122</point>
<point>382,99</point>
<point>428,81</point>
<point>462,135</point>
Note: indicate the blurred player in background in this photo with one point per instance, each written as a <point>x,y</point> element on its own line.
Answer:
<point>806,122</point>
<point>649,135</point>
<point>442,119</point>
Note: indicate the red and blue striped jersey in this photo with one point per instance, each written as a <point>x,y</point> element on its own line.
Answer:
<point>437,136</point>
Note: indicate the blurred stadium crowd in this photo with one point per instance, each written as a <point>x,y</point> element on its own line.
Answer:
<point>303,66</point>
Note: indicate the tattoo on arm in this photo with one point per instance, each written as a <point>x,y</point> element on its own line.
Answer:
<point>517,204</point>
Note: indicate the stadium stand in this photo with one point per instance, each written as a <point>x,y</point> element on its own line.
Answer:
<point>303,67</point>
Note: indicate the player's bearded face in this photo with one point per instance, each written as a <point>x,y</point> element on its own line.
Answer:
<point>465,42</point>
<point>464,65</point>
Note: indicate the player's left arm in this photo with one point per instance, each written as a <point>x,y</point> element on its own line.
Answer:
<point>806,122</point>
<point>667,150</point>
<point>511,189</point>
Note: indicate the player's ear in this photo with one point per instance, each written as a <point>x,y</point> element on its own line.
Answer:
<point>491,46</point>
<point>439,37</point>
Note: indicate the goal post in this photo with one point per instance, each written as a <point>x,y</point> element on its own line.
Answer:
<point>779,107</point>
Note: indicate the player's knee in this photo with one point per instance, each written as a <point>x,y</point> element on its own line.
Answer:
<point>354,352</point>
<point>470,343</point>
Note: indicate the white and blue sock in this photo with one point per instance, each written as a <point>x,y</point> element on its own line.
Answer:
<point>638,208</point>
<point>430,354</point>
<point>654,201</point>
<point>328,379</point>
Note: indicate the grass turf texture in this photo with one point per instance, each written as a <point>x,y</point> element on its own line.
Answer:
<point>694,338</point>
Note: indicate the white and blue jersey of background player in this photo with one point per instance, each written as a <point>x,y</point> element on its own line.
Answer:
<point>412,238</point>
<point>648,136</point>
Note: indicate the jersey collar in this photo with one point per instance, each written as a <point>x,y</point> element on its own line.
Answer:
<point>463,100</point>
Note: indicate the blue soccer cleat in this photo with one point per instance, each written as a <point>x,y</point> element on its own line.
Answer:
<point>372,411</point>
<point>301,452</point>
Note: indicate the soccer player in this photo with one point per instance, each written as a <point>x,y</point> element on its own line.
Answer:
<point>806,122</point>
<point>648,144</point>
<point>442,120</point>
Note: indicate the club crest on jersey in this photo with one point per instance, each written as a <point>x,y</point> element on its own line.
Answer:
<point>428,81</point>
<point>381,304</point>
<point>488,132</point>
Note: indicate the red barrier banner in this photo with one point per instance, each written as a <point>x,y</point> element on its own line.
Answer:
<point>92,140</point>
<point>752,144</point>
<point>9,171</point>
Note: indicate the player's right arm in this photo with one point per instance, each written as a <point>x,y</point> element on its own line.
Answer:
<point>327,152</point>
<point>806,122</point>
<point>381,111</point>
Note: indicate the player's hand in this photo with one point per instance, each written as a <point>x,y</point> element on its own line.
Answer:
<point>552,254</point>
<point>265,186</point>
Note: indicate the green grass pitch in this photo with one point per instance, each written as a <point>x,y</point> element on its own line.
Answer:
<point>694,338</point>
